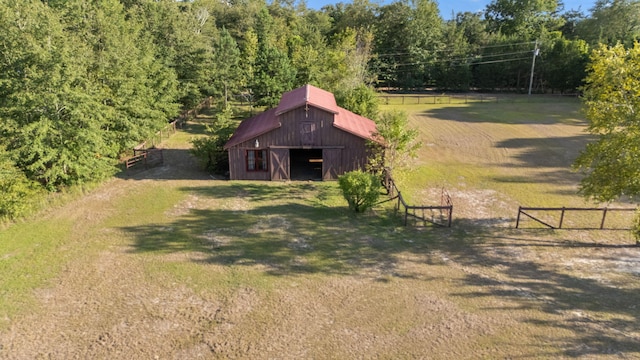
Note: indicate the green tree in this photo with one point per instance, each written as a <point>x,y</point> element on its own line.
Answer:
<point>273,73</point>
<point>611,164</point>
<point>611,21</point>
<point>346,61</point>
<point>408,39</point>
<point>53,123</point>
<point>452,71</point>
<point>210,149</point>
<point>564,63</point>
<point>273,76</point>
<point>227,74</point>
<point>399,142</point>
<point>526,19</point>
<point>358,15</point>
<point>360,189</point>
<point>362,100</point>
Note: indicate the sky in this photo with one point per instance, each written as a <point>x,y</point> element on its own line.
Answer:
<point>447,8</point>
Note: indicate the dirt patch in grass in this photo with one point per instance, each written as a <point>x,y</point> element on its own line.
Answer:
<point>242,270</point>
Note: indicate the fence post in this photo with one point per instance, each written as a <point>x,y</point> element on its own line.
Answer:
<point>561,218</point>
<point>450,215</point>
<point>518,218</point>
<point>604,215</point>
<point>406,215</point>
<point>399,200</point>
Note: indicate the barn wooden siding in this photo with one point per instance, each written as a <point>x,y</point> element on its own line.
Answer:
<point>342,151</point>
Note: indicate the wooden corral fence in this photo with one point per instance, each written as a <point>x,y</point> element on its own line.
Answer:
<point>438,215</point>
<point>150,156</point>
<point>147,157</point>
<point>527,211</point>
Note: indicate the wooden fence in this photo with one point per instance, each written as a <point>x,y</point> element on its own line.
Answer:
<point>413,99</point>
<point>146,152</point>
<point>437,215</point>
<point>147,157</point>
<point>526,211</point>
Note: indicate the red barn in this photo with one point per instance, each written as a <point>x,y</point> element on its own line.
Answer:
<point>307,136</point>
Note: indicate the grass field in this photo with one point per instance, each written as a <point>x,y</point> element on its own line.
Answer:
<point>170,263</point>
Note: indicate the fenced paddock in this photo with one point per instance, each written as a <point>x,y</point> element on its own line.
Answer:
<point>575,218</point>
<point>467,98</point>
<point>420,215</point>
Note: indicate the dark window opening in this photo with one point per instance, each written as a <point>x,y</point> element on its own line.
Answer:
<point>306,164</point>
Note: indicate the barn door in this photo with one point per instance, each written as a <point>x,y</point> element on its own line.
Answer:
<point>279,164</point>
<point>331,163</point>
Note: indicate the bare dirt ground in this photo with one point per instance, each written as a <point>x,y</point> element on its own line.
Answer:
<point>502,293</point>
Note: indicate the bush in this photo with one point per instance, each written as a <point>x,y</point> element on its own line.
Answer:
<point>17,193</point>
<point>360,189</point>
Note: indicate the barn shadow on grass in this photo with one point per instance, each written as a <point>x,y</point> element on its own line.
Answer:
<point>532,270</point>
<point>293,229</point>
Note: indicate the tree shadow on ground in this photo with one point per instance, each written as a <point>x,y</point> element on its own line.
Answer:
<point>284,230</point>
<point>177,164</point>
<point>533,269</point>
<point>278,227</point>
<point>563,112</point>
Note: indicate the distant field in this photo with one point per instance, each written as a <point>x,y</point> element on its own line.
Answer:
<point>494,157</point>
<point>172,263</point>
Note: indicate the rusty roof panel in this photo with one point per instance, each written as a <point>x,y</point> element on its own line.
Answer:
<point>253,127</point>
<point>307,95</point>
<point>355,124</point>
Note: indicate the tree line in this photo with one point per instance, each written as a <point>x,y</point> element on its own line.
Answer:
<point>83,81</point>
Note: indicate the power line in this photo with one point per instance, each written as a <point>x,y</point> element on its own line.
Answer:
<point>448,49</point>
<point>464,61</point>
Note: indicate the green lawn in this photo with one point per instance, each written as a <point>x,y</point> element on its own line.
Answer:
<point>170,263</point>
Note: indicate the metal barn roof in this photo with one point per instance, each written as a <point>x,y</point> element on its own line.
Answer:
<point>307,95</point>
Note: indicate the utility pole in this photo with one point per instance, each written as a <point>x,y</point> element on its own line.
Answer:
<point>533,65</point>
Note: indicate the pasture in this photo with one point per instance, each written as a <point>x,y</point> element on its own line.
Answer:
<point>172,263</point>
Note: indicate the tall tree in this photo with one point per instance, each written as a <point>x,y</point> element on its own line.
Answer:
<point>611,21</point>
<point>452,71</point>
<point>611,164</point>
<point>226,66</point>
<point>52,120</point>
<point>564,63</point>
<point>523,18</point>
<point>408,39</point>
<point>273,73</point>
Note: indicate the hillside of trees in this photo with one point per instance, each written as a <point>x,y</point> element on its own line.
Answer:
<point>83,81</point>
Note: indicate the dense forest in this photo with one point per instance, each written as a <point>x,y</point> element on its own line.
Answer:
<point>83,81</point>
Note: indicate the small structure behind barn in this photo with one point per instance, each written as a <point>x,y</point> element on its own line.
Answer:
<point>306,137</point>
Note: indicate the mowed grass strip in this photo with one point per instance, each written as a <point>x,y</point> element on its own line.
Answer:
<point>30,255</point>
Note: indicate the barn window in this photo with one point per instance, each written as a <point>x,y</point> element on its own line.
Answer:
<point>256,160</point>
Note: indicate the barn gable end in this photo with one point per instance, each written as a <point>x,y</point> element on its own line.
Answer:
<point>306,137</point>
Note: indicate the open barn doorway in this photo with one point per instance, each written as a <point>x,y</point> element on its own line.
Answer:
<point>306,164</point>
